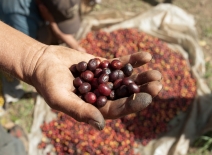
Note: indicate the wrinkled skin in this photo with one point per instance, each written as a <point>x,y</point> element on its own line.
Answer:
<point>53,80</point>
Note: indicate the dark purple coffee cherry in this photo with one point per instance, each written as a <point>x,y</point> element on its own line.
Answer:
<point>116,64</point>
<point>104,78</point>
<point>97,72</point>
<point>73,69</point>
<point>128,69</point>
<point>133,88</point>
<point>106,71</point>
<point>122,91</point>
<point>97,93</point>
<point>84,88</point>
<point>87,75</point>
<point>126,81</point>
<point>92,64</point>
<point>101,101</point>
<point>94,83</point>
<point>90,97</point>
<point>116,74</point>
<point>104,64</point>
<point>77,82</point>
<point>81,66</point>
<point>104,89</point>
<point>117,83</point>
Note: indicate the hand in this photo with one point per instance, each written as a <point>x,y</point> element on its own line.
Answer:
<point>53,80</point>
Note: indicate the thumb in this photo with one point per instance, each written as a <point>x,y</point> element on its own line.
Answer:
<point>81,111</point>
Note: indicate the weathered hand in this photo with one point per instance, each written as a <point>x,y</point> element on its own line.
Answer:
<point>52,78</point>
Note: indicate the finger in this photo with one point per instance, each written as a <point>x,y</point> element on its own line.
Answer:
<point>152,88</point>
<point>58,93</point>
<point>81,111</point>
<point>125,106</point>
<point>146,77</point>
<point>136,59</point>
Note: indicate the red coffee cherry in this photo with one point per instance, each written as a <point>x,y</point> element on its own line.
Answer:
<point>133,88</point>
<point>110,85</point>
<point>98,61</point>
<point>104,89</point>
<point>92,64</point>
<point>90,97</point>
<point>117,83</point>
<point>116,64</point>
<point>87,75</point>
<point>126,81</point>
<point>104,64</point>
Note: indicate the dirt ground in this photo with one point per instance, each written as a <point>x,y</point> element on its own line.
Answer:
<point>201,10</point>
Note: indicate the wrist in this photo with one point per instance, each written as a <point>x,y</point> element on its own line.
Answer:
<point>18,53</point>
<point>30,60</point>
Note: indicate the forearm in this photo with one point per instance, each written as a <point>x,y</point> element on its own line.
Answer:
<point>18,52</point>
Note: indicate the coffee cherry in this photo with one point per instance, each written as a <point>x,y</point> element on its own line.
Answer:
<point>97,72</point>
<point>117,84</point>
<point>87,75</point>
<point>133,88</point>
<point>106,71</point>
<point>97,93</point>
<point>94,83</point>
<point>116,64</point>
<point>73,69</point>
<point>128,69</point>
<point>112,95</point>
<point>84,88</point>
<point>104,64</point>
<point>103,78</point>
<point>92,64</point>
<point>116,74</point>
<point>81,66</point>
<point>77,82</point>
<point>90,97</point>
<point>126,81</point>
<point>101,101</point>
<point>122,91</point>
<point>110,85</point>
<point>98,61</point>
<point>104,89</point>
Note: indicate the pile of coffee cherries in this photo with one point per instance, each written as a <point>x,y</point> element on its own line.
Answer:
<point>97,81</point>
<point>179,90</point>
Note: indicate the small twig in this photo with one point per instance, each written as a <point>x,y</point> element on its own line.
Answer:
<point>134,96</point>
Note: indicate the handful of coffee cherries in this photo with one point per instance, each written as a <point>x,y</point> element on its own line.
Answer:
<point>97,81</point>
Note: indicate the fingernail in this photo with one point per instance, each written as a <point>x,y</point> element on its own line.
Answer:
<point>158,92</point>
<point>96,124</point>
